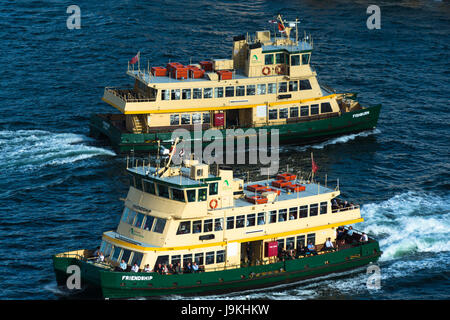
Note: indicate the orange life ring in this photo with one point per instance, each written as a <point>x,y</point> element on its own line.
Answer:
<point>213,204</point>
<point>266,71</point>
<point>279,69</point>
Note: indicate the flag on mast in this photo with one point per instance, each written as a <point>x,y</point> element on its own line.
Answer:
<point>281,27</point>
<point>313,164</point>
<point>135,58</point>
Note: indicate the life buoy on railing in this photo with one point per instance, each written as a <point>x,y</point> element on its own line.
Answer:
<point>266,71</point>
<point>279,69</point>
<point>213,204</point>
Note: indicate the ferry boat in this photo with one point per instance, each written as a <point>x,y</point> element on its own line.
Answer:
<point>268,84</point>
<point>187,231</point>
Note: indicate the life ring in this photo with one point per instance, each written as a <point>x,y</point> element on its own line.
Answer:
<point>279,69</point>
<point>266,71</point>
<point>213,204</point>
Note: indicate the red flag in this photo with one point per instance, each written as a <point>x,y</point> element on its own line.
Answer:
<point>281,27</point>
<point>135,58</point>
<point>314,165</point>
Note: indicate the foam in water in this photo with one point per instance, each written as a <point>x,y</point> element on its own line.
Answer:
<point>30,149</point>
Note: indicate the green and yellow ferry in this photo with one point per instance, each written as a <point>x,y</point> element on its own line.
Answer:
<point>268,84</point>
<point>239,235</point>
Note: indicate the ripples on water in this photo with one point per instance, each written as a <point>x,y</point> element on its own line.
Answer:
<point>60,189</point>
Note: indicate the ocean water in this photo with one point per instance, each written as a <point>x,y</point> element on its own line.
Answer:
<point>60,189</point>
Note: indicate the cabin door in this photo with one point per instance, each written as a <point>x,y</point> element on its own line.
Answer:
<point>232,118</point>
<point>252,252</point>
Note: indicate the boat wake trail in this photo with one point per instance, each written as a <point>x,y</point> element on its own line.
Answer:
<point>31,149</point>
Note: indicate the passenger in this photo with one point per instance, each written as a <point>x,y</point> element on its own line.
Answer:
<point>188,268</point>
<point>194,268</point>
<point>171,269</point>
<point>178,268</point>
<point>123,265</point>
<point>334,204</point>
<point>340,234</point>
<point>349,235</point>
<point>249,253</point>
<point>135,268</point>
<point>301,251</point>
<point>97,252</point>
<point>328,245</point>
<point>101,257</point>
<point>312,248</point>
<point>364,238</point>
<point>147,268</point>
<point>159,268</point>
<point>165,269</point>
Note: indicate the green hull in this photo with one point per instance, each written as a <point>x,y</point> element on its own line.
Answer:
<point>117,285</point>
<point>298,133</point>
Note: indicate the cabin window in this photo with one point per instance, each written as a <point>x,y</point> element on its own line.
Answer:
<point>313,209</point>
<point>206,117</point>
<point>208,93</point>
<point>149,186</point>
<point>218,224</point>
<point>176,259</point>
<point>293,213</point>
<point>300,241</point>
<point>202,194</point>
<point>229,91</point>
<point>323,207</point>
<point>208,225</point>
<point>149,223</point>
<point>251,88</point>
<point>295,60</point>
<point>251,220</point>
<point>261,89</point>
<point>178,195</point>
<point>116,253</point>
<point>138,221</point>
<point>304,111</point>
<point>280,244</point>
<point>282,86</point>
<point>293,85</point>
<point>282,215</point>
<point>240,220</point>
<point>163,191</point>
<point>268,59</point>
<point>197,226</point>
<point>165,94</point>
<point>199,258</point>
<point>131,217</point>
<point>279,58</point>
<point>184,227</point>
<point>303,211</point>
<point>273,114</point>
<point>210,257</point>
<point>293,112</point>
<point>190,195</point>
<point>213,188</point>
<point>159,225</point>
<point>197,93</point>
<point>187,258</point>
<point>218,92</point>
<point>261,218</point>
<point>107,251</point>
<point>272,88</point>
<point>290,242</point>
<point>186,94</point>
<point>132,180</point>
<point>126,211</point>
<point>185,118</point>
<point>314,109</point>
<point>240,91</point>
<point>174,119</point>
<point>273,216</point>
<point>305,85</point>
<point>284,113</point>
<point>305,58</point>
<point>220,256</point>
<point>175,94</point>
<point>325,107</point>
<point>311,238</point>
<point>230,223</point>
<point>196,118</point>
<point>126,255</point>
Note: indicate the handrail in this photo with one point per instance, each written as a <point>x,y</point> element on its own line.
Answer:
<point>116,92</point>
<point>352,207</point>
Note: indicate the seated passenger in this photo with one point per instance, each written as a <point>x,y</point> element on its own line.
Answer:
<point>135,268</point>
<point>159,268</point>
<point>188,268</point>
<point>101,257</point>
<point>165,270</point>
<point>178,268</point>
<point>123,265</point>
<point>311,248</point>
<point>194,267</point>
<point>364,238</point>
<point>147,268</point>
<point>328,245</point>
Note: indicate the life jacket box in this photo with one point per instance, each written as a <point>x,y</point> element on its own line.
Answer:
<point>286,176</point>
<point>225,74</point>
<point>159,71</point>
<point>172,65</point>
<point>271,249</point>
<point>296,187</point>
<point>206,65</point>
<point>179,72</point>
<point>281,183</point>
<point>219,119</point>
<point>195,72</point>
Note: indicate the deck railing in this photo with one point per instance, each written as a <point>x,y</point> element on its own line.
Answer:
<point>129,95</point>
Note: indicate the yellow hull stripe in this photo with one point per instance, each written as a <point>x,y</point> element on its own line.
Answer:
<point>223,243</point>
<point>217,108</point>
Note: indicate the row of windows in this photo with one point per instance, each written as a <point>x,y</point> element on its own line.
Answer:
<point>187,118</point>
<point>201,258</point>
<point>118,254</point>
<point>143,221</point>
<point>238,91</point>
<point>281,58</point>
<point>252,219</point>
<point>293,112</point>
<point>296,242</point>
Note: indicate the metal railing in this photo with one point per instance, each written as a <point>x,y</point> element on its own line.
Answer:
<point>129,95</point>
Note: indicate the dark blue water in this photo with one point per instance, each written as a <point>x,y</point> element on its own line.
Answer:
<point>60,190</point>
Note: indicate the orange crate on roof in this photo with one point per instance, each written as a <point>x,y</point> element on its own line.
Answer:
<point>296,187</point>
<point>280,183</point>
<point>287,176</point>
<point>271,190</point>
<point>256,199</point>
<point>225,74</point>
<point>255,187</point>
<point>172,65</point>
<point>206,65</point>
<point>159,71</point>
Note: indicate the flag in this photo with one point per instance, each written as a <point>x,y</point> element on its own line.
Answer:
<point>314,165</point>
<point>281,27</point>
<point>135,58</point>
<point>272,21</point>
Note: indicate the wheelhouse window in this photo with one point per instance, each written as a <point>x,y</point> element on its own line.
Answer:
<point>186,94</point>
<point>230,223</point>
<point>261,218</point>
<point>163,191</point>
<point>313,209</point>
<point>175,94</point>
<point>268,59</point>
<point>197,226</point>
<point>295,60</point>
<point>178,194</point>
<point>116,253</point>
<point>207,93</point>
<point>125,214</point>
<point>184,227</point>
<point>251,220</point>
<point>206,117</point>
<point>305,85</point>
<point>229,91</point>
<point>314,109</point>
<point>208,225</point>
<point>220,256</point>
<point>131,217</point>
<point>251,89</point>
<point>218,92</point>
<point>174,119</point>
<point>218,224</point>
<point>159,225</point>
<point>240,221</point>
<point>190,195</point>
<point>210,257</point>
<point>261,89</point>
<point>273,216</point>
<point>126,255</point>
<point>213,188</point>
<point>279,58</point>
<point>271,88</point>
<point>305,58</point>
<point>325,107</point>
<point>185,118</point>
<point>149,223</point>
<point>273,114</point>
<point>303,211</point>
<point>196,118</point>
<point>202,194</point>
<point>323,207</point>
<point>282,86</point>
<point>304,111</point>
<point>293,85</point>
<point>240,91</point>
<point>284,113</point>
<point>293,112</point>
<point>139,219</point>
<point>197,93</point>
